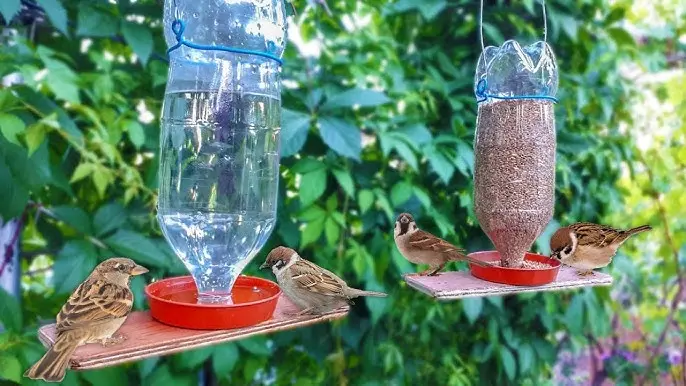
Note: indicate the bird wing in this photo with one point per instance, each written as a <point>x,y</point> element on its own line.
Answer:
<point>311,277</point>
<point>428,242</point>
<point>94,302</point>
<point>595,234</point>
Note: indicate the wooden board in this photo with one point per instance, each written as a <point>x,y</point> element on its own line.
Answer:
<point>147,338</point>
<point>461,284</point>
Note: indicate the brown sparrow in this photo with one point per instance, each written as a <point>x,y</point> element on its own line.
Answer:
<point>93,313</point>
<point>421,247</point>
<point>588,246</point>
<point>309,286</point>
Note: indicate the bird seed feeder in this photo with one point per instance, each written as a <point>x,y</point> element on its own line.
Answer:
<point>219,170</point>
<point>514,178</point>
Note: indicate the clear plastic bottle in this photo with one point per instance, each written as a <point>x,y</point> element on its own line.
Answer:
<point>219,146</point>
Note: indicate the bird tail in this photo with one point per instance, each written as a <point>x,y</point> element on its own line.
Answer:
<point>642,228</point>
<point>459,256</point>
<point>53,365</point>
<point>354,292</point>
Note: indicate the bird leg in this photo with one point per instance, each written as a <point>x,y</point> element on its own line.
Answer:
<point>435,271</point>
<point>301,312</point>
<point>112,340</point>
<point>586,272</point>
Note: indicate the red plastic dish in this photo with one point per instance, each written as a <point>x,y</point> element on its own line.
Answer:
<point>514,276</point>
<point>173,302</point>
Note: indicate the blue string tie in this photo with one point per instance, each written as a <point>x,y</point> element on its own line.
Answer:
<point>178,26</point>
<point>482,94</point>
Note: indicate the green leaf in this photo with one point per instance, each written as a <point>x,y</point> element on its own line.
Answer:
<point>312,213</point>
<point>342,137</point>
<point>75,217</point>
<point>509,363</point>
<point>356,97</point>
<point>95,22</point>
<point>331,231</point>
<point>400,193</point>
<point>9,8</point>
<point>56,13</point>
<point>440,164</point>
<point>306,165</point>
<point>136,132</point>
<point>574,316</point>
<point>224,359</point>
<point>35,135</point>
<point>106,376</point>
<point>312,186</point>
<point>138,247</point>
<point>472,308</point>
<point>256,345</point>
<point>108,218</point>
<point>430,8</point>
<point>10,126</point>
<point>621,36</point>
<point>61,80</point>
<point>139,38</point>
<point>294,129</point>
<point>417,133</point>
<point>82,171</point>
<point>10,368</point>
<point>14,195</point>
<point>10,313</point>
<point>365,199</point>
<point>46,107</point>
<point>74,262</point>
<point>190,360</point>
<point>345,180</point>
<point>312,231</point>
<point>526,357</point>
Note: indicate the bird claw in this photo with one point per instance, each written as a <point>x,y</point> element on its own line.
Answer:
<point>585,273</point>
<point>112,340</point>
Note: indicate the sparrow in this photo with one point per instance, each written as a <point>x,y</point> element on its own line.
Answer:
<point>421,247</point>
<point>93,313</point>
<point>312,288</point>
<point>588,246</point>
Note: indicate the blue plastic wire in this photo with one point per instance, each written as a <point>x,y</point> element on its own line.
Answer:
<point>178,27</point>
<point>482,95</point>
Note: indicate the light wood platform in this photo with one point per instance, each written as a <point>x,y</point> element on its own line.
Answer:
<point>461,284</point>
<point>147,338</point>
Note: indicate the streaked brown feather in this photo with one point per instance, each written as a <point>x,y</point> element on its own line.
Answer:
<point>316,279</point>
<point>428,242</point>
<point>93,302</point>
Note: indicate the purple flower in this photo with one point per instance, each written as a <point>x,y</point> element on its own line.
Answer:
<point>627,355</point>
<point>605,355</point>
<point>674,357</point>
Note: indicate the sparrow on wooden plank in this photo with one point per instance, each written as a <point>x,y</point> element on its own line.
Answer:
<point>93,314</point>
<point>420,247</point>
<point>312,288</point>
<point>586,246</point>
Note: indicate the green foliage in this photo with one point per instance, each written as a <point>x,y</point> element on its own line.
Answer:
<point>381,122</point>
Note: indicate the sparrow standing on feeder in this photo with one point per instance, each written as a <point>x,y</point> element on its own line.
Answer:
<point>588,246</point>
<point>309,286</point>
<point>421,247</point>
<point>92,314</point>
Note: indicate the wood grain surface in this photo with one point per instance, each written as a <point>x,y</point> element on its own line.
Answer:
<point>461,284</point>
<point>147,338</point>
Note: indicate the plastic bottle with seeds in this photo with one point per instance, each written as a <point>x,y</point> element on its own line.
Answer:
<point>514,145</point>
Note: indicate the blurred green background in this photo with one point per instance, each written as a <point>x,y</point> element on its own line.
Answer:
<point>379,118</point>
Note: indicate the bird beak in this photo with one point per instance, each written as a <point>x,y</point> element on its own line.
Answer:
<point>138,270</point>
<point>264,265</point>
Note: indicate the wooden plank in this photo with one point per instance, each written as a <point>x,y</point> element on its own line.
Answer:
<point>147,338</point>
<point>461,284</point>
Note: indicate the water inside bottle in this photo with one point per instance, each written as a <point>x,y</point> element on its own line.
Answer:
<point>219,169</point>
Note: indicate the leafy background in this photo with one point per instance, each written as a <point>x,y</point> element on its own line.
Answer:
<point>378,118</point>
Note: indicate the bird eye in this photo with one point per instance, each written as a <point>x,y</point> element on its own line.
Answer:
<point>279,264</point>
<point>568,250</point>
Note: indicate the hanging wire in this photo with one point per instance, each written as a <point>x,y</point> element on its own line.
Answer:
<point>481,23</point>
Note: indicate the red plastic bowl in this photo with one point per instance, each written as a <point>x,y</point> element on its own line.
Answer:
<point>514,276</point>
<point>173,302</point>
